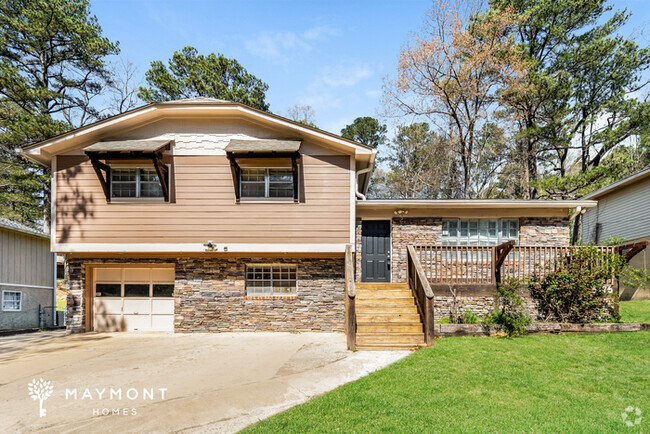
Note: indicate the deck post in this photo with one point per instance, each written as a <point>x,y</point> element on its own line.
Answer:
<point>349,296</point>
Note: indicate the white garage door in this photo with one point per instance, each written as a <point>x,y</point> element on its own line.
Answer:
<point>133,299</point>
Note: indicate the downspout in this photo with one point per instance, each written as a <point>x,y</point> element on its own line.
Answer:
<point>361,172</point>
<point>576,216</point>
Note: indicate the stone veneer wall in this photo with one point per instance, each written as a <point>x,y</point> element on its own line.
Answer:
<point>536,231</point>
<point>411,230</point>
<point>210,295</point>
<point>481,305</point>
<point>416,230</point>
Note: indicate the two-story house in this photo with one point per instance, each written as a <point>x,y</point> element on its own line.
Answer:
<point>208,215</point>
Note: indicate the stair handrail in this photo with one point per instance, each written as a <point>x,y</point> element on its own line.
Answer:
<point>350,296</point>
<point>421,288</point>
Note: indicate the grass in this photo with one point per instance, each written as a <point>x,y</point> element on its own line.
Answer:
<point>537,383</point>
<point>635,311</point>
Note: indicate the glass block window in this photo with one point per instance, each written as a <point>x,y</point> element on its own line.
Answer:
<point>479,232</point>
<point>266,183</point>
<point>136,182</point>
<point>271,280</point>
<point>12,300</point>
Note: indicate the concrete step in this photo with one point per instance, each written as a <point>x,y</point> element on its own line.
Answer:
<point>388,317</point>
<point>389,327</point>
<point>390,338</point>
<point>386,308</point>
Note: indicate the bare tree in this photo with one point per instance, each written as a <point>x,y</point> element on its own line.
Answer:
<point>123,88</point>
<point>452,72</point>
<point>303,114</point>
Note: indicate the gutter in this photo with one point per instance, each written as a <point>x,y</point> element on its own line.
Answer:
<point>478,203</point>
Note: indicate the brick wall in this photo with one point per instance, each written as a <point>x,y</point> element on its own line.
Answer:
<point>210,295</point>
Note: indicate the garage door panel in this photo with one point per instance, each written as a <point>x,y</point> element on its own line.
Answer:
<point>141,306</point>
<point>108,305</point>
<point>109,323</point>
<point>108,275</point>
<point>137,275</point>
<point>162,275</point>
<point>164,323</point>
<point>162,305</point>
<point>137,322</point>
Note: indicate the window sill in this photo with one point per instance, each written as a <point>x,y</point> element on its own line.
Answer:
<point>267,200</point>
<point>271,297</point>
<point>137,200</point>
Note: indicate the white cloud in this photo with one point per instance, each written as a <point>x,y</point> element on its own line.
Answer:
<point>345,75</point>
<point>277,47</point>
<point>373,93</point>
<point>320,33</point>
<point>321,100</point>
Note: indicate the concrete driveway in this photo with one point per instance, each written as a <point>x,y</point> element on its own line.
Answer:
<point>170,382</point>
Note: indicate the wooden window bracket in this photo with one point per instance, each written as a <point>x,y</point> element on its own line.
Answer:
<point>103,170</point>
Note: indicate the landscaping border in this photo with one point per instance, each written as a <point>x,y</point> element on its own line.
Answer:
<point>550,327</point>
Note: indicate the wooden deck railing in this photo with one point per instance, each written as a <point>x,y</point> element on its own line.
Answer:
<point>419,284</point>
<point>350,295</point>
<point>486,264</point>
<point>525,261</point>
<point>456,264</point>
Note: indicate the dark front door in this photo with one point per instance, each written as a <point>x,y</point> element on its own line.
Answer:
<point>375,251</point>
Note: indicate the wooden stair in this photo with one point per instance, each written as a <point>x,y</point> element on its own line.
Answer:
<point>387,317</point>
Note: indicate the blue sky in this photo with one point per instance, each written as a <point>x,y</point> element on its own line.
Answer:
<point>331,55</point>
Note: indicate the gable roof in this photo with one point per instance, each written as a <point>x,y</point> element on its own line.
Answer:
<point>632,179</point>
<point>43,151</point>
<point>14,226</point>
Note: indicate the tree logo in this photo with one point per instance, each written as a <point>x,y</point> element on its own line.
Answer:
<point>40,390</point>
<point>632,416</point>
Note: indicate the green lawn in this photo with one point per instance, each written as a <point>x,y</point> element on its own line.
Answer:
<point>537,383</point>
<point>635,311</point>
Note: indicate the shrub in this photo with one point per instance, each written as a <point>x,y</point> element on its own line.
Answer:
<point>577,291</point>
<point>466,317</point>
<point>509,311</point>
<point>469,317</point>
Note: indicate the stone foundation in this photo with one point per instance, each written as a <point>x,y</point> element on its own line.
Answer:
<point>210,295</point>
<point>481,305</point>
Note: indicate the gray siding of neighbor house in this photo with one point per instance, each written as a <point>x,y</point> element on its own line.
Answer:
<point>26,265</point>
<point>624,212</point>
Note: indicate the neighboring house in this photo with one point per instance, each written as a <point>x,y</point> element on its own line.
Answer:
<point>207,215</point>
<point>27,278</point>
<point>623,211</point>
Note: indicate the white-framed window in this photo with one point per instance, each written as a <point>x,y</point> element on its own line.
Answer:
<point>266,183</point>
<point>12,301</point>
<point>479,232</point>
<point>271,280</point>
<point>135,182</point>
